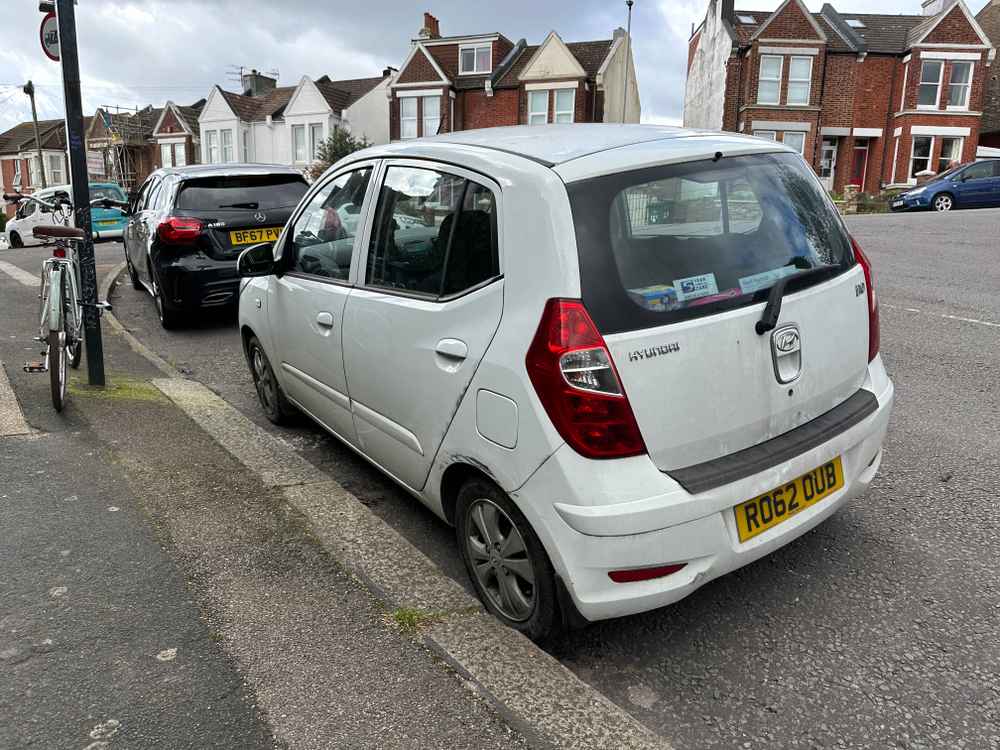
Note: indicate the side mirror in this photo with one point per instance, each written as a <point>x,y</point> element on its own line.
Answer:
<point>256,260</point>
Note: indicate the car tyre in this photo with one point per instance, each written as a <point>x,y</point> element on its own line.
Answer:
<point>943,202</point>
<point>506,561</point>
<point>277,408</point>
<point>133,275</point>
<point>15,240</point>
<point>169,318</point>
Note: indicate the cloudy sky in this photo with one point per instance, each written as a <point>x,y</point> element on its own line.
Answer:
<point>138,53</point>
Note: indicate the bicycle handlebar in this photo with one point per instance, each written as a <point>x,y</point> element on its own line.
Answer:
<point>61,199</point>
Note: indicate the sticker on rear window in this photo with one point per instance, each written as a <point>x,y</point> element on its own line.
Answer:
<point>694,287</point>
<point>757,281</point>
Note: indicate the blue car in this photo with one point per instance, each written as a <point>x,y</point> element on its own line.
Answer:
<point>107,223</point>
<point>967,186</point>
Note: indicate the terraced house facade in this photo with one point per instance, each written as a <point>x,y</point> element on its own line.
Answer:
<point>869,100</point>
<point>484,80</point>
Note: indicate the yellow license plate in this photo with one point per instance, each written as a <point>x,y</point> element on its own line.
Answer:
<point>766,511</point>
<point>107,222</point>
<point>251,236</point>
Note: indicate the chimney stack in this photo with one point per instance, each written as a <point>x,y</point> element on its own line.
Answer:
<point>256,83</point>
<point>431,28</point>
<point>933,7</point>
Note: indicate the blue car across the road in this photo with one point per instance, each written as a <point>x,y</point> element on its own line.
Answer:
<point>966,186</point>
<point>107,223</point>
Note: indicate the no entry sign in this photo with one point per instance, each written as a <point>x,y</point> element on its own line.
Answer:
<point>49,36</point>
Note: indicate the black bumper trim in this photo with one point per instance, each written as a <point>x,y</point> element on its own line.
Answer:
<point>749,461</point>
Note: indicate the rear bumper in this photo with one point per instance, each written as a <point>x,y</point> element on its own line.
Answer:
<point>195,282</point>
<point>645,518</point>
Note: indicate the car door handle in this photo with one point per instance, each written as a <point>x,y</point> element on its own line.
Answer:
<point>452,349</point>
<point>325,319</point>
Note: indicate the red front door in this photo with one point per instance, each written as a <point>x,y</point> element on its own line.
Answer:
<point>860,165</point>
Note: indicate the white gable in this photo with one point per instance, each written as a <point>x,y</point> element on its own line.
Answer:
<point>552,60</point>
<point>307,100</point>
<point>216,108</point>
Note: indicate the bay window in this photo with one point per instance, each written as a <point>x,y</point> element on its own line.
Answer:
<point>769,82</point>
<point>951,151</point>
<point>799,80</point>
<point>565,104</point>
<point>920,159</point>
<point>298,144</point>
<point>227,146</point>
<point>959,84</point>
<point>538,107</point>
<point>408,117</point>
<point>56,169</point>
<point>431,114</point>
<point>166,155</point>
<point>212,146</point>
<point>930,84</point>
<point>315,139</point>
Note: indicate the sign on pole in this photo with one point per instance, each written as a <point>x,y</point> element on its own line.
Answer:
<point>49,36</point>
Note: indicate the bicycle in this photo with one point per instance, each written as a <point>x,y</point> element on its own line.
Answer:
<point>60,306</point>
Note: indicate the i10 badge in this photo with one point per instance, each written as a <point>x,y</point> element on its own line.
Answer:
<point>786,353</point>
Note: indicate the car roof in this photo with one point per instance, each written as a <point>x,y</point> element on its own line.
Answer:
<point>228,170</point>
<point>557,146</point>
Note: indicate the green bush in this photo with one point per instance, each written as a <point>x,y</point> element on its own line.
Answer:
<point>333,149</point>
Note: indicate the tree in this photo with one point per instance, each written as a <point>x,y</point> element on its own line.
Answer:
<point>333,149</point>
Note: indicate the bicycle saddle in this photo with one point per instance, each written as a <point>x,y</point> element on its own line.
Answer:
<point>71,233</point>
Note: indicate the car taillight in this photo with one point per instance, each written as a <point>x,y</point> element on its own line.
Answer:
<point>179,229</point>
<point>871,281</point>
<point>575,379</point>
<point>644,574</point>
<point>58,252</point>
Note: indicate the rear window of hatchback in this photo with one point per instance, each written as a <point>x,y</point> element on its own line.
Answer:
<point>676,242</point>
<point>253,192</point>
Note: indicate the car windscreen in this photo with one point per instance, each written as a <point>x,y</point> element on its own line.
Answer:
<point>675,242</point>
<point>267,191</point>
<point>110,192</point>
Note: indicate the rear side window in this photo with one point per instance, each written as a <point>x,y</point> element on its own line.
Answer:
<point>254,192</point>
<point>671,243</point>
<point>980,170</point>
<point>435,234</point>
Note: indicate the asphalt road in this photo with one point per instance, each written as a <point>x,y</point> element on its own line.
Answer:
<point>878,629</point>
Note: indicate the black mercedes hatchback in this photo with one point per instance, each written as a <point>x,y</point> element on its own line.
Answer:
<point>188,225</point>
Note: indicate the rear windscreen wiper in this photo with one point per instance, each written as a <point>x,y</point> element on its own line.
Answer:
<point>769,318</point>
<point>240,205</point>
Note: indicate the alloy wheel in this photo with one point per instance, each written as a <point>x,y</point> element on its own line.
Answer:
<point>943,203</point>
<point>500,559</point>
<point>263,380</point>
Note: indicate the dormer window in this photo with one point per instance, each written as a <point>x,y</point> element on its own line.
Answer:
<point>475,59</point>
<point>855,23</point>
<point>746,19</point>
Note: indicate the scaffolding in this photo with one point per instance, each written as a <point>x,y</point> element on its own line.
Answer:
<point>127,132</point>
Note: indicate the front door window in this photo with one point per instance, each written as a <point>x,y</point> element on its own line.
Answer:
<point>828,162</point>
<point>860,164</point>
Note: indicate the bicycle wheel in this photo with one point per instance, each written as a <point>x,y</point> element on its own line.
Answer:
<point>57,348</point>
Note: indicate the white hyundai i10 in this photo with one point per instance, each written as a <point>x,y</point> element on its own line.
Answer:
<point>621,360</point>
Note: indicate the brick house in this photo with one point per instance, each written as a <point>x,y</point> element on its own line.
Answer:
<point>485,80</point>
<point>176,135</point>
<point>868,99</point>
<point>19,167</point>
<point>989,134</point>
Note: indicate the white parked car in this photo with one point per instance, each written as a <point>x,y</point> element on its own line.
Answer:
<point>106,223</point>
<point>621,360</point>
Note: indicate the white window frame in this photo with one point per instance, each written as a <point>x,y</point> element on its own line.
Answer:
<point>166,154</point>
<point>784,139</point>
<point>18,179</point>
<point>246,146</point>
<point>895,161</point>
<point>910,174</point>
<point>760,77</point>
<point>958,158</point>
<point>966,87</point>
<point>557,113</point>
<point>314,141</point>
<point>475,59</point>
<point>56,169</point>
<point>902,94</point>
<point>212,146</point>
<point>807,81</point>
<point>33,170</point>
<point>922,83</point>
<point>403,118</point>
<point>299,139</point>
<point>769,134</point>
<point>180,155</point>
<point>228,154</point>
<point>533,115</point>
<point>429,124</point>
